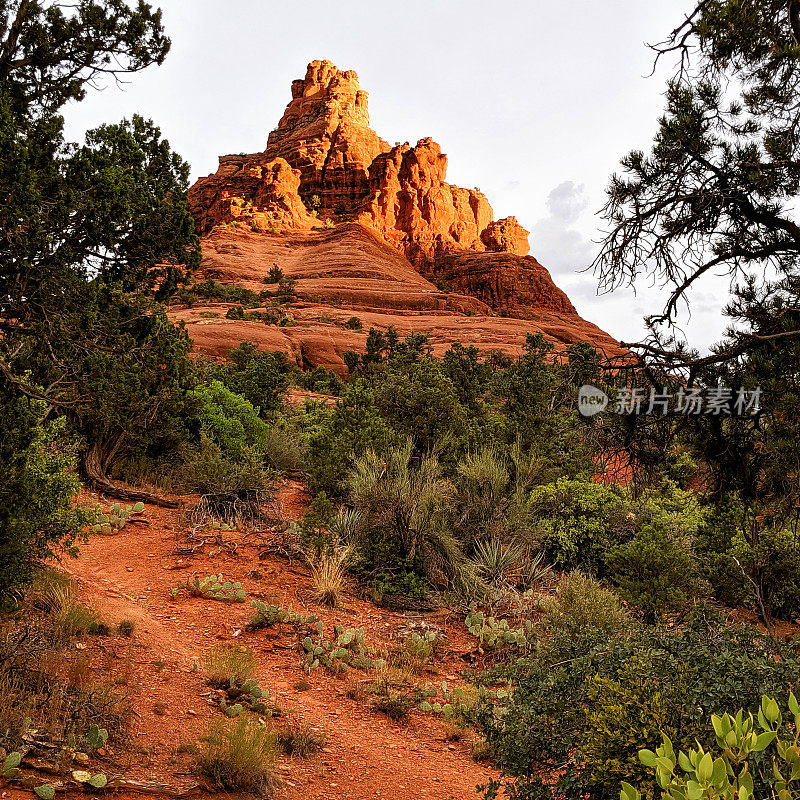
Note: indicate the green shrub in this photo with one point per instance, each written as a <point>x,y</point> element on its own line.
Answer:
<point>260,377</point>
<point>590,699</point>
<point>577,522</point>
<point>354,324</point>
<point>207,470</point>
<point>38,489</point>
<point>655,571</point>
<point>582,603</point>
<point>230,420</point>
<point>240,756</point>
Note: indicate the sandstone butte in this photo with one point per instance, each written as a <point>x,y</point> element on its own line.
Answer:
<point>370,231</point>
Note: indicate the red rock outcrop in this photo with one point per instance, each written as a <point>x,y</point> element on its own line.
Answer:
<point>325,133</point>
<point>515,286</point>
<point>261,193</point>
<point>414,207</point>
<point>506,236</point>
<point>406,248</point>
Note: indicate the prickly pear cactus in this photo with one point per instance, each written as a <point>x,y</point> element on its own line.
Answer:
<point>494,633</point>
<point>348,649</point>
<point>116,518</point>
<point>267,616</point>
<point>213,587</point>
<point>249,696</point>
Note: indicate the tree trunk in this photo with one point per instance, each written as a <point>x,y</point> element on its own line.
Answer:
<point>94,469</point>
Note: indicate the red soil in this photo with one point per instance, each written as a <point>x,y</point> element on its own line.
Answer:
<point>129,576</point>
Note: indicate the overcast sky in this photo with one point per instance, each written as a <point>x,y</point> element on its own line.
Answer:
<point>534,103</point>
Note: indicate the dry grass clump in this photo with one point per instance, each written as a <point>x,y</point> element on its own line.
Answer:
<point>240,756</point>
<point>294,739</point>
<point>44,686</point>
<point>329,573</point>
<point>225,664</point>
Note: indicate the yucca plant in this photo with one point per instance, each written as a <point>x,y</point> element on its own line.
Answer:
<point>535,571</point>
<point>495,561</point>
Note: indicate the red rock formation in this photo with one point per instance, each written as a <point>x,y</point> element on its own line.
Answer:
<point>506,236</point>
<point>406,224</point>
<point>412,206</point>
<point>515,286</point>
<point>325,133</point>
<point>263,194</point>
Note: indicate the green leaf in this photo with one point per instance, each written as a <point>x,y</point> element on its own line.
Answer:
<point>770,708</point>
<point>794,706</point>
<point>764,740</point>
<point>648,758</point>
<point>705,768</point>
<point>45,791</point>
<point>720,772</point>
<point>98,781</point>
<point>628,792</point>
<point>694,791</point>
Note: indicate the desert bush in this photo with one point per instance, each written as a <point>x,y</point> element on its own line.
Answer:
<point>207,470</point>
<point>576,522</point>
<point>416,651</point>
<point>592,698</point>
<point>404,505</point>
<point>656,571</point>
<point>240,756</point>
<point>354,324</point>
<point>393,706</point>
<point>283,449</point>
<point>44,688</point>
<point>225,664</point>
<point>229,420</point>
<point>581,602</point>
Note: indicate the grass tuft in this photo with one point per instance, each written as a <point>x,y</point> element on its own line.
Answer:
<point>240,757</point>
<point>228,663</point>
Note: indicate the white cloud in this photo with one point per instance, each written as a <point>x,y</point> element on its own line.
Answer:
<point>555,242</point>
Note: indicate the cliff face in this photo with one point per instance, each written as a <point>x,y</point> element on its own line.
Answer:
<point>325,134</point>
<point>405,243</point>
